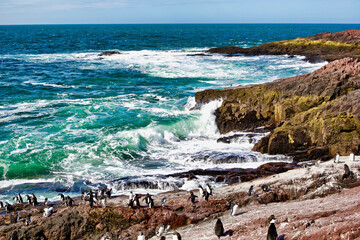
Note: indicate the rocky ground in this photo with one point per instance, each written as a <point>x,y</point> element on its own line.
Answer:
<point>312,202</point>
<point>323,46</point>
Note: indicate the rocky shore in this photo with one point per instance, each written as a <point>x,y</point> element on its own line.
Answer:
<point>308,117</point>
<point>321,47</point>
<point>309,203</point>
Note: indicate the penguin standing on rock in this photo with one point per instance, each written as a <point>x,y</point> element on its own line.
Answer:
<point>20,198</point>
<point>192,197</point>
<point>160,230</point>
<point>28,198</point>
<point>251,189</point>
<point>1,204</point>
<point>201,191</point>
<point>62,197</point>
<point>209,189</point>
<point>219,228</point>
<point>141,236</point>
<point>206,195</point>
<point>34,199</point>
<point>163,202</point>
<point>137,200</point>
<point>234,209</point>
<point>108,193</point>
<point>176,236</point>
<point>272,233</point>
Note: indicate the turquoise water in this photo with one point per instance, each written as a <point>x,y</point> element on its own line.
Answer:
<point>70,119</point>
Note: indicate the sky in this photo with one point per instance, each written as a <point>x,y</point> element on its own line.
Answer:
<point>178,11</point>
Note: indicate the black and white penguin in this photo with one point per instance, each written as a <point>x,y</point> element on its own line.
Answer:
<point>28,198</point>
<point>1,204</point>
<point>265,187</point>
<point>209,189</point>
<point>131,203</point>
<point>272,233</point>
<point>131,196</point>
<point>62,197</point>
<point>137,200</point>
<point>201,191</point>
<point>103,202</point>
<point>16,199</point>
<point>102,193</point>
<point>28,220</point>
<point>69,201</point>
<point>9,207</point>
<point>160,230</point>
<point>151,203</point>
<point>163,202</point>
<point>91,199</point>
<point>48,211</point>
<point>347,173</point>
<point>20,198</point>
<point>147,199</point>
<point>219,228</point>
<point>234,209</point>
<point>96,197</point>
<point>192,197</point>
<point>176,236</point>
<point>108,192</point>
<point>206,195</point>
<point>251,189</point>
<point>34,199</point>
<point>141,236</point>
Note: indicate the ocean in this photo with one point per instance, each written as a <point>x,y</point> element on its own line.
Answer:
<point>71,120</point>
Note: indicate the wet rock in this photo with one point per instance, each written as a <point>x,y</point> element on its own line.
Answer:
<point>109,53</point>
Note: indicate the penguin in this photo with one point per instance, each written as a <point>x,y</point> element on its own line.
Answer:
<point>272,233</point>
<point>160,230</point>
<point>69,201</point>
<point>1,204</point>
<point>28,220</point>
<point>265,187</point>
<point>131,196</point>
<point>108,193</point>
<point>91,199</point>
<point>137,200</point>
<point>131,203</point>
<point>48,203</point>
<point>209,189</point>
<point>206,195</point>
<point>192,197</point>
<point>163,202</point>
<point>176,236</point>
<point>48,211</point>
<point>16,198</point>
<point>83,197</point>
<point>96,195</point>
<point>234,209</point>
<point>267,223</point>
<point>62,197</point>
<point>347,172</point>
<point>352,157</point>
<point>337,158</point>
<point>141,236</point>
<point>8,207</point>
<point>20,198</point>
<point>29,200</point>
<point>151,203</point>
<point>103,202</point>
<point>34,199</point>
<point>201,191</point>
<point>147,199</point>
<point>219,228</point>
<point>251,189</point>
<point>102,193</point>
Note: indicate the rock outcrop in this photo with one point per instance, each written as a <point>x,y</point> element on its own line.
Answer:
<point>323,46</point>
<point>312,115</point>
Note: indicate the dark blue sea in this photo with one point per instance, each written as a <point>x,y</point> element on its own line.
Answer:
<point>71,119</point>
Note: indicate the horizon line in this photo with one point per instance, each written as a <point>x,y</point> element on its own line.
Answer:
<point>37,24</point>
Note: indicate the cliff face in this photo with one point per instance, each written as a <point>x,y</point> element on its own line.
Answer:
<point>311,115</point>
<point>323,46</point>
